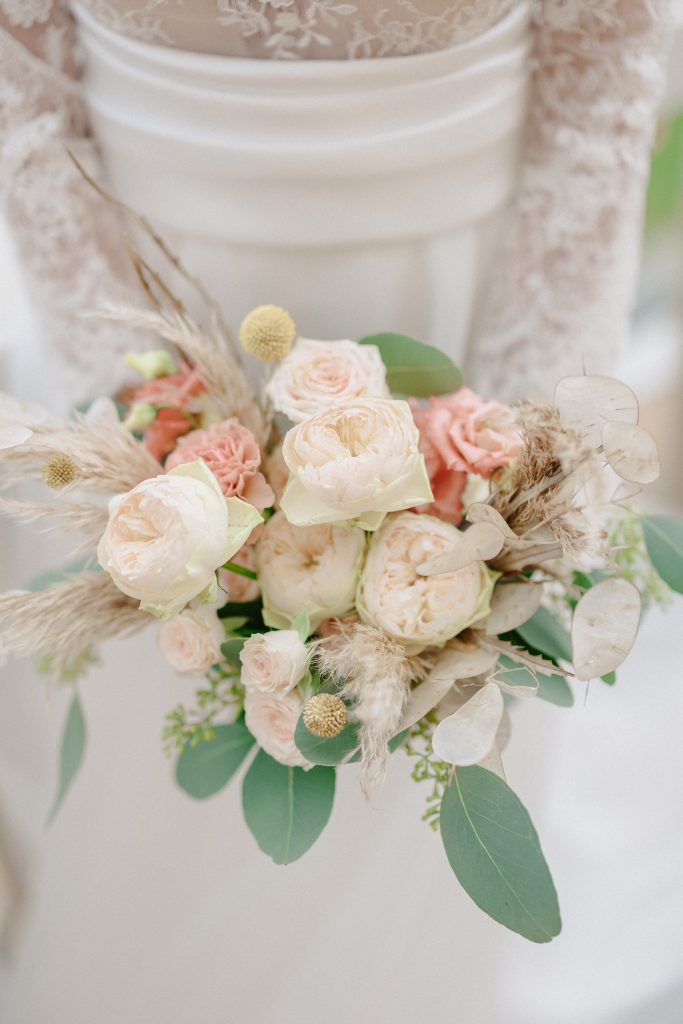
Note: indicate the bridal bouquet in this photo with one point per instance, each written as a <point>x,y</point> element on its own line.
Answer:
<point>358,557</point>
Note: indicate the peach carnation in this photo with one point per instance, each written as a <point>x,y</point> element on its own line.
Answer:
<point>461,434</point>
<point>232,454</point>
<point>173,396</point>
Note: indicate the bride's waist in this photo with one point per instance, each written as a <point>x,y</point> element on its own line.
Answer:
<point>312,152</point>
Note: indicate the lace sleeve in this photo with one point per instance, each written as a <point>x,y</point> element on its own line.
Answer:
<point>562,293</point>
<point>68,244</point>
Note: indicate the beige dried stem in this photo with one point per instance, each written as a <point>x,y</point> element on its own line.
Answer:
<point>213,350</point>
<point>66,619</point>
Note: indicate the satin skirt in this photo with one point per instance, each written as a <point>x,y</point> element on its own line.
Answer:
<point>362,196</point>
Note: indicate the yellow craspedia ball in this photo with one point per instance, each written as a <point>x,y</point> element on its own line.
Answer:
<point>325,715</point>
<point>267,333</point>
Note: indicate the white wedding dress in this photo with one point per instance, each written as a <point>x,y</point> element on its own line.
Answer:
<point>450,184</point>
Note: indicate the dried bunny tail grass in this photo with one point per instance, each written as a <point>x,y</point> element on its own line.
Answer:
<point>105,454</point>
<point>69,516</point>
<point>375,673</point>
<point>67,618</point>
<point>226,385</point>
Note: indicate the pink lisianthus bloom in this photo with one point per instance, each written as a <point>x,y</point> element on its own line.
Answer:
<point>232,454</point>
<point>461,434</point>
<point>172,394</point>
<point>162,436</point>
<point>175,389</point>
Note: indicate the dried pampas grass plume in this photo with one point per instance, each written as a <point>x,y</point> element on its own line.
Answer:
<point>67,618</point>
<point>107,457</point>
<point>375,673</point>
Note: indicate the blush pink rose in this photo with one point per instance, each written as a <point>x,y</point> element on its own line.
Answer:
<point>232,454</point>
<point>461,434</point>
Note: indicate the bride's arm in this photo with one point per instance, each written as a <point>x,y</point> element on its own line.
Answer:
<point>561,295</point>
<point>67,241</point>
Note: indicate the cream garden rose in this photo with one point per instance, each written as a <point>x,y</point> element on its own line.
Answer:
<point>318,374</point>
<point>273,662</point>
<point>312,569</point>
<point>358,460</point>
<point>166,538</point>
<point>191,641</point>
<point>271,719</point>
<point>420,611</point>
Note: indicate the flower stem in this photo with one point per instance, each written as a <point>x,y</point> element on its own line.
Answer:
<point>240,570</point>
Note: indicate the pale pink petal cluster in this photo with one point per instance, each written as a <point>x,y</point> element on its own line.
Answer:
<point>311,569</point>
<point>272,719</point>
<point>173,396</point>
<point>461,434</point>
<point>419,611</point>
<point>318,374</point>
<point>274,662</point>
<point>191,641</point>
<point>357,460</point>
<point>232,454</point>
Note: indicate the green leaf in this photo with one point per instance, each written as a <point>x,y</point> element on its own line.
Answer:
<point>610,678</point>
<point>233,623</point>
<point>232,649</point>
<point>414,368</point>
<point>494,851</point>
<point>207,767</point>
<point>326,751</point>
<point>251,610</point>
<point>546,635</point>
<point>513,674</point>
<point>286,808</point>
<point>555,690</point>
<point>664,541</point>
<point>333,751</point>
<point>302,625</point>
<point>71,753</point>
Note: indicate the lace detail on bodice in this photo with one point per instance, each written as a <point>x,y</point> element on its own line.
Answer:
<point>564,285</point>
<point>302,29</point>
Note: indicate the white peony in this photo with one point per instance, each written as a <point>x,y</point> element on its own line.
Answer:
<point>166,538</point>
<point>271,719</point>
<point>273,662</point>
<point>312,569</point>
<point>191,641</point>
<point>318,374</point>
<point>420,611</point>
<point>358,460</point>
